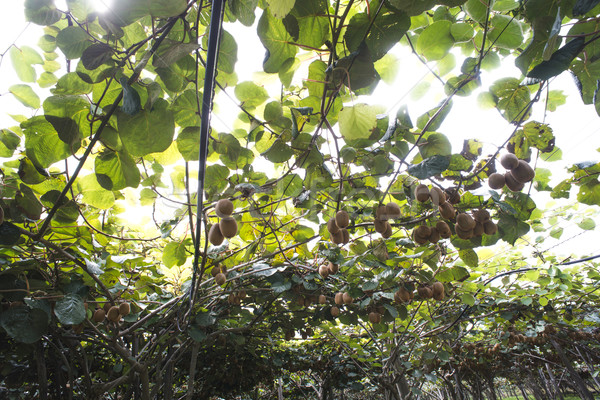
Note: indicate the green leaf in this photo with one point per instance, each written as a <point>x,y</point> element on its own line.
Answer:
<point>9,234</point>
<point>477,9</point>
<point>123,13</point>
<point>26,95</point>
<point>94,194</point>
<point>227,52</point>
<point>356,70</point>
<point>358,121</point>
<point>41,12</point>
<point>116,170</point>
<point>581,7</point>
<point>95,55</point>
<point>28,203</point>
<point>429,167</point>
<point>512,99</point>
<point>511,228</point>
<point>149,131</point>
<point>279,152</point>
<point>9,141</point>
<point>435,41</point>
<point>71,84</point>
<point>559,61</point>
<point>505,32</point>
<point>587,224</point>
<point>243,10</point>
<point>469,257</point>
<point>132,103</point>
<point>280,8</point>
<point>435,144</point>
<point>383,33</point>
<point>413,7</point>
<point>216,179</point>
<point>174,254</point>
<point>462,32</point>
<point>589,193</point>
<point>24,324</point>
<point>276,39</point>
<point>250,94</point>
<point>539,136</point>
<point>72,41</point>
<point>22,59</point>
<point>43,145</point>
<point>70,309</point>
<point>188,143</point>
<point>468,299</point>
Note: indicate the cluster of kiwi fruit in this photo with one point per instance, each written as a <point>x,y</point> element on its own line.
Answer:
<point>382,216</point>
<point>376,313</point>
<point>236,298</point>
<point>110,312</point>
<point>227,226</point>
<point>219,272</point>
<point>518,174</point>
<point>434,291</point>
<point>328,269</point>
<point>403,295</point>
<point>468,226</point>
<point>423,233</point>
<point>337,227</point>
<point>340,298</point>
<point>443,200</point>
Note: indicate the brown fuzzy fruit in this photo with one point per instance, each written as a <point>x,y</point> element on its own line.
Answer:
<point>99,315</point>
<point>380,226</point>
<point>337,237</point>
<point>478,230</point>
<point>374,317</point>
<point>381,213</point>
<point>106,307</point>
<point>447,211</point>
<point>388,231</point>
<point>465,221</point>
<point>113,314</point>
<point>513,184</point>
<point>434,236</point>
<point>443,228</point>
<point>124,308</point>
<point>215,270</point>
<point>404,294</point>
<point>228,227</point>
<point>334,311</point>
<point>345,236</point>
<point>422,193</point>
<point>496,181</point>
<point>339,298</point>
<point>452,195</point>
<point>523,172</point>
<point>332,227</point>
<point>462,233</point>
<point>347,298</point>
<point>424,292</point>
<point>324,271</point>
<point>215,237</point>
<point>421,234</point>
<point>509,161</point>
<point>224,208</point>
<point>333,268</point>
<point>393,210</point>
<point>438,291</point>
<point>490,228</point>
<point>322,299</point>
<point>437,196</point>
<point>220,279</point>
<point>481,215</point>
<point>342,219</point>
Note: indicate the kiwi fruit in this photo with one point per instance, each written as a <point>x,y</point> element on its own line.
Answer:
<point>465,234</point>
<point>332,227</point>
<point>233,299</point>
<point>337,237</point>
<point>333,268</point>
<point>513,184</point>
<point>452,195</point>
<point>113,314</point>
<point>322,299</point>
<point>347,298</point>
<point>447,211</point>
<point>339,298</point>
<point>465,221</point>
<point>434,236</point>
<point>289,335</point>
<point>490,228</point>
<point>424,292</point>
<point>124,308</point>
<point>215,237</point>
<point>523,172</point>
<point>99,315</point>
<point>381,213</point>
<point>496,181</point>
<point>241,294</point>
<point>478,230</point>
<point>345,236</point>
<point>421,234</point>
<point>334,311</point>
<point>215,270</point>
<point>404,294</point>
<point>324,271</point>
<point>481,215</point>
<point>509,161</point>
<point>380,226</point>
<point>220,279</point>
<point>388,231</point>
<point>106,307</point>
<point>438,290</point>
<point>374,317</point>
<point>224,208</point>
<point>393,210</point>
<point>228,227</point>
<point>342,219</point>
<point>437,196</point>
<point>422,193</point>
<point>443,228</point>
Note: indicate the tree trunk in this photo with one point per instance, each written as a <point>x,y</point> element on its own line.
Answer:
<point>41,371</point>
<point>577,380</point>
<point>557,392</point>
<point>523,392</point>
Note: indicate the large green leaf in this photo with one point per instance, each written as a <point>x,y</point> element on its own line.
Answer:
<point>280,8</point>
<point>70,309</point>
<point>277,40</point>
<point>116,170</point>
<point>358,121</point>
<point>123,13</point>
<point>43,145</point>
<point>435,144</point>
<point>429,167</point>
<point>243,10</point>
<point>435,41</point>
<point>24,324</point>
<point>41,12</point>
<point>22,59</point>
<point>174,254</point>
<point>505,32</point>
<point>94,194</point>
<point>148,131</point>
<point>188,143</point>
<point>279,152</point>
<point>9,141</point>
<point>413,7</point>
<point>25,95</point>
<point>512,99</point>
<point>358,66</point>
<point>72,41</point>
<point>250,94</point>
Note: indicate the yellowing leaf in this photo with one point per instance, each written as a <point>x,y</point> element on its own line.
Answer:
<point>358,122</point>
<point>280,8</point>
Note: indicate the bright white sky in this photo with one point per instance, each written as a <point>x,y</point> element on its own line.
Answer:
<point>577,127</point>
